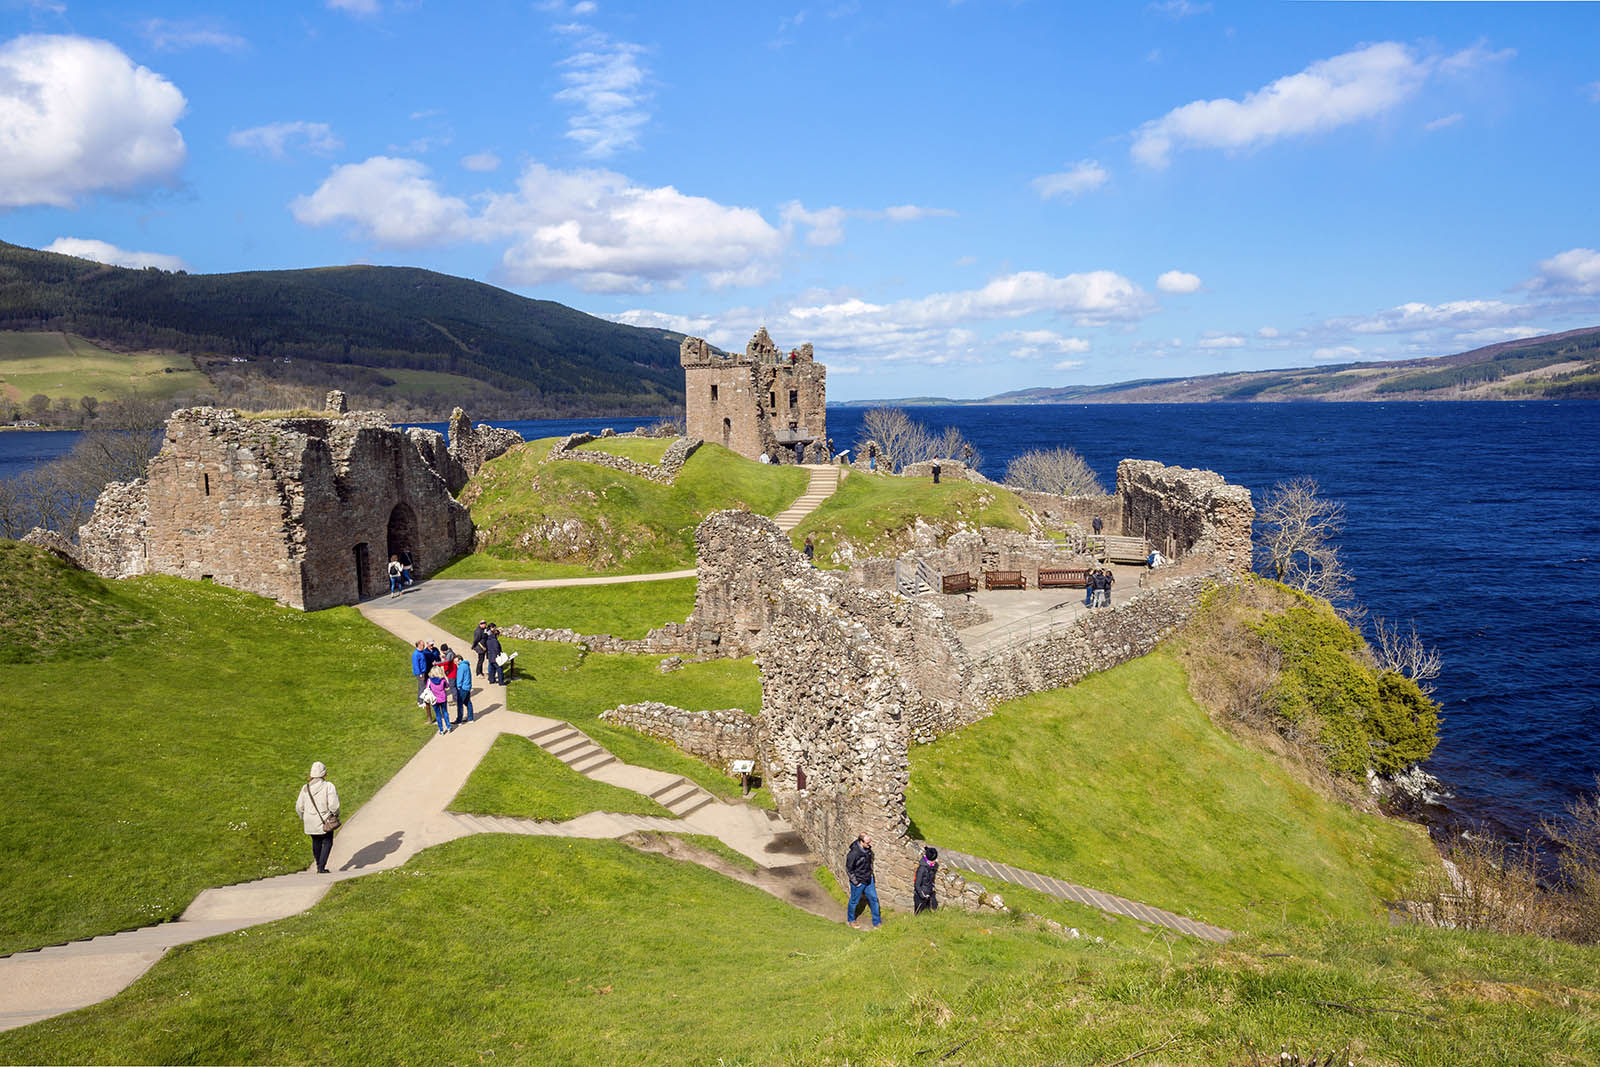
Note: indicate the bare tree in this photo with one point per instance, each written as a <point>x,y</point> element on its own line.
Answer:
<point>1054,470</point>
<point>899,439</point>
<point>1298,531</point>
<point>953,444</point>
<point>1403,652</point>
<point>60,495</point>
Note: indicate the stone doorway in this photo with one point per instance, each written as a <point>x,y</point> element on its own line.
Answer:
<point>727,431</point>
<point>363,571</point>
<point>402,534</point>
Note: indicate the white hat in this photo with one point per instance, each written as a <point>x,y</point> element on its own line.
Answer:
<point>318,770</point>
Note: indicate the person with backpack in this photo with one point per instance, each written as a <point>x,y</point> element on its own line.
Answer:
<point>438,698</point>
<point>318,808</point>
<point>858,865</point>
<point>394,576</point>
<point>924,896</point>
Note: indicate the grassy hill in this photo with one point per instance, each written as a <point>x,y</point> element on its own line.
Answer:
<point>1562,365</point>
<point>874,516</point>
<point>539,519</point>
<point>361,327</point>
<point>157,742</point>
<point>66,366</point>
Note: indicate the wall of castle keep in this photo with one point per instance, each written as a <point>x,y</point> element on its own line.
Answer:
<point>304,510</point>
<point>748,402</point>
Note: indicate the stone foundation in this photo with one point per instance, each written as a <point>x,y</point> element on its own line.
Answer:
<point>672,460</point>
<point>718,737</point>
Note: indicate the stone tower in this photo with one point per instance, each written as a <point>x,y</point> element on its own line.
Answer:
<point>762,401</point>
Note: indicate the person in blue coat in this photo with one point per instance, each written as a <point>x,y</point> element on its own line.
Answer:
<point>419,668</point>
<point>463,693</point>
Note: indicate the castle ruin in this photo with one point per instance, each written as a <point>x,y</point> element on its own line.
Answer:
<point>763,402</point>
<point>305,510</point>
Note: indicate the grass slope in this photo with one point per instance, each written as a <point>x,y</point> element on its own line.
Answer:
<point>520,779</point>
<point>164,760</point>
<point>562,682</point>
<point>51,610</point>
<point>625,610</point>
<point>874,516</point>
<point>612,956</point>
<point>639,449</point>
<point>64,365</point>
<point>1122,783</point>
<point>612,523</point>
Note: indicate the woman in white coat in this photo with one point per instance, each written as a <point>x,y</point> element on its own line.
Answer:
<point>318,808</point>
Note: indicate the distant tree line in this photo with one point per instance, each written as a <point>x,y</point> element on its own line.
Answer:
<point>60,495</point>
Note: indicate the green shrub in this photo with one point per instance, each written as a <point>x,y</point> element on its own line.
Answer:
<point>1404,726</point>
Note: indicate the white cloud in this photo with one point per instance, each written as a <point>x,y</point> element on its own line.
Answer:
<point>1180,8</point>
<point>1082,177</point>
<point>605,82</point>
<point>104,252</point>
<point>1494,334</point>
<point>1177,281</point>
<point>1576,270</point>
<point>1093,298</point>
<point>391,201</point>
<point>1027,344</point>
<point>1268,332</point>
<point>1344,353</point>
<point>1227,340</point>
<point>826,225</point>
<point>1330,93</point>
<point>77,116</point>
<point>355,7</point>
<point>1415,315</point>
<point>1066,364</point>
<point>1443,122</point>
<point>275,138</point>
<point>594,228</point>
<point>481,162</point>
<point>176,35</point>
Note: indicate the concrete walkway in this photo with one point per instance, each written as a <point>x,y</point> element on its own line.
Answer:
<point>1078,894</point>
<point>408,814</point>
<point>1020,615</point>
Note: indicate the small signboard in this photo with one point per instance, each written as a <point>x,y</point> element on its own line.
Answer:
<point>742,766</point>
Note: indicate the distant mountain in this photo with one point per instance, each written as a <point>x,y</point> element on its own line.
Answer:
<point>374,327</point>
<point>1555,365</point>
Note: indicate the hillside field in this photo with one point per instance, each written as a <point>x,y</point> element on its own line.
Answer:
<point>64,365</point>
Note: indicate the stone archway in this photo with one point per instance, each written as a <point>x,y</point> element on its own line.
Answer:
<point>402,534</point>
<point>727,431</point>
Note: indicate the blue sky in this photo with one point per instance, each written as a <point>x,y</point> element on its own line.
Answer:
<point>945,198</point>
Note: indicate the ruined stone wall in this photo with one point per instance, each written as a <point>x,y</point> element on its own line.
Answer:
<point>718,737</point>
<point>1182,511</point>
<point>950,470</point>
<point>1062,512</point>
<point>674,638</point>
<point>303,510</point>
<point>473,446</point>
<point>672,461</point>
<point>744,561</point>
<point>973,552</point>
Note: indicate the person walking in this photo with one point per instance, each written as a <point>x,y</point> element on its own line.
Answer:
<point>491,647</point>
<point>924,896</point>
<point>318,808</point>
<point>438,697</point>
<point>858,865</point>
<point>477,643</point>
<point>1098,525</point>
<point>810,550</point>
<point>394,576</point>
<point>463,693</point>
<point>419,668</point>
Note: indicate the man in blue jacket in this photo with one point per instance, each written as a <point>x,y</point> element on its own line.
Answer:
<point>419,667</point>
<point>858,865</point>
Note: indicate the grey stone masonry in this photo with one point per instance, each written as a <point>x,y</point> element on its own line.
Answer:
<point>718,737</point>
<point>666,473</point>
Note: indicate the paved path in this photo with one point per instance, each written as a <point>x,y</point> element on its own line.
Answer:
<point>408,814</point>
<point>1078,894</point>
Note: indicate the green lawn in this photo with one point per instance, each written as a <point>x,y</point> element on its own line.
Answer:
<point>625,610</point>
<point>610,522</point>
<point>411,383</point>
<point>65,365</point>
<point>522,780</point>
<point>479,565</point>
<point>159,754</point>
<point>515,950</point>
<point>561,682</point>
<point>639,449</point>
<point>875,515</point>
<point>1122,783</point>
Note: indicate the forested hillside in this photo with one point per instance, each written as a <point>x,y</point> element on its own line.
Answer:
<point>352,326</point>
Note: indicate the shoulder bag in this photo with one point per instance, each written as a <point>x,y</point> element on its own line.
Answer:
<point>330,820</point>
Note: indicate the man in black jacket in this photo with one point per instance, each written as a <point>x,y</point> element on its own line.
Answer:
<point>491,648</point>
<point>858,865</point>
<point>478,646</point>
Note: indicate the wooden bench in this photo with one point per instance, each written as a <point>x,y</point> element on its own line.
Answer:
<point>1063,578</point>
<point>960,582</point>
<point>1004,580</point>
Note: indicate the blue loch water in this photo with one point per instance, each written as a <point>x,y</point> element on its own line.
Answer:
<point>1481,522</point>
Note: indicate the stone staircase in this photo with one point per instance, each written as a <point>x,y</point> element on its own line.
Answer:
<point>824,480</point>
<point>574,748</point>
